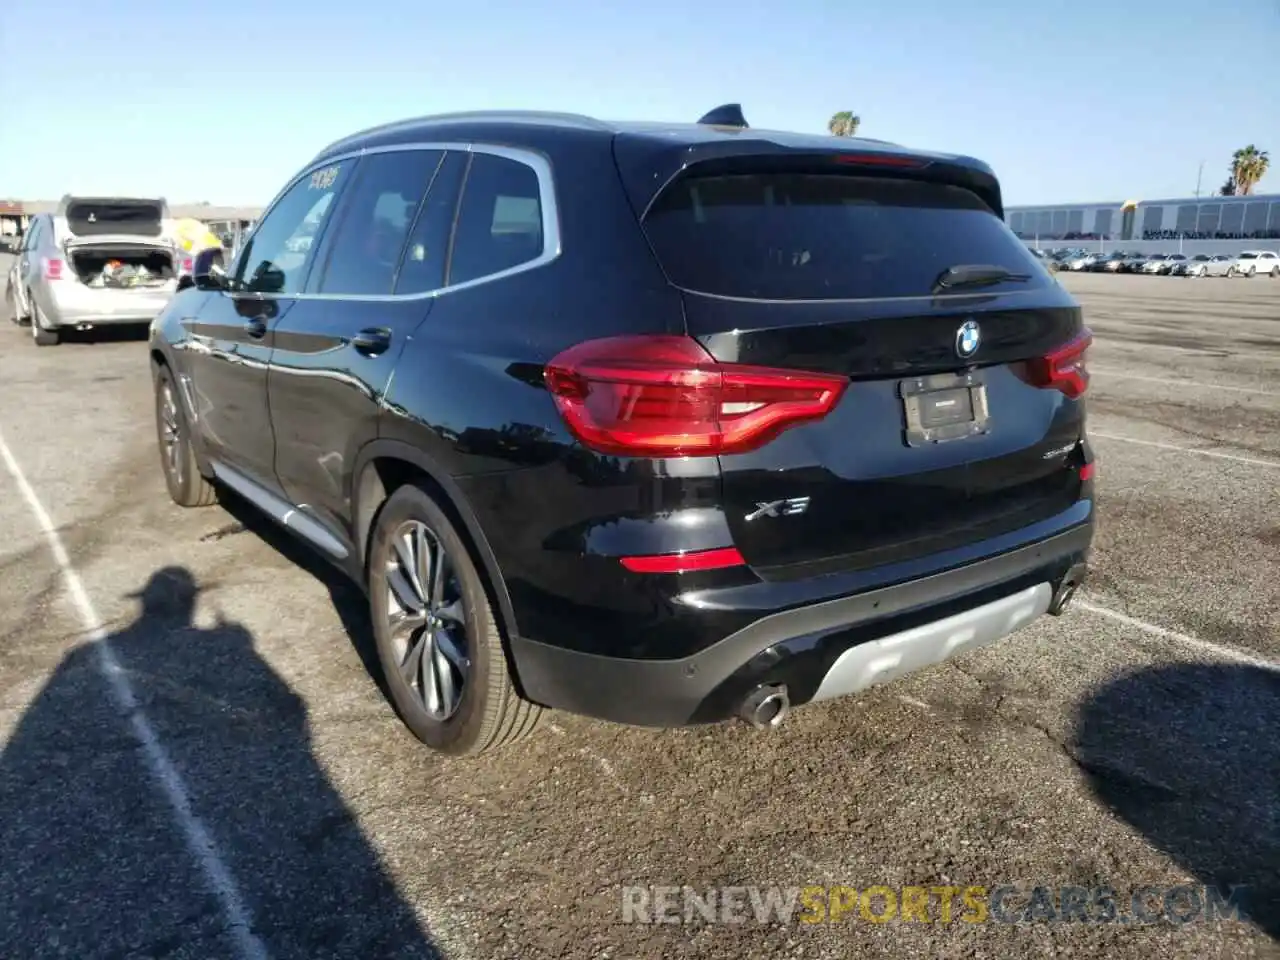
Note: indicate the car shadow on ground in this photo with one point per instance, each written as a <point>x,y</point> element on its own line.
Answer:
<point>94,861</point>
<point>1189,755</point>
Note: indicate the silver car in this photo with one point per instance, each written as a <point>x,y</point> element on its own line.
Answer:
<point>95,261</point>
<point>1191,267</point>
<point>1203,265</point>
<point>1162,263</point>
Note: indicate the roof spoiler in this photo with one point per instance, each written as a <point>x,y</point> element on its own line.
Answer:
<point>649,167</point>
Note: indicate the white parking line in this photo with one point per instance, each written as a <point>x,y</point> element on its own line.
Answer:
<point>198,840</point>
<point>1171,382</point>
<point>1171,446</point>
<point>1195,643</point>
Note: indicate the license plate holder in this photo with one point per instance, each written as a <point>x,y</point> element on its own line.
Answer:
<point>944,406</point>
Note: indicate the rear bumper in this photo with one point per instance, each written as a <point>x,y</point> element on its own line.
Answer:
<point>817,650</point>
<point>82,305</point>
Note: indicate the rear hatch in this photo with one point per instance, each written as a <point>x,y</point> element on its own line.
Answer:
<point>957,424</point>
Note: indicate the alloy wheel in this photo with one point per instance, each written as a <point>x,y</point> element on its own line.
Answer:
<point>171,433</point>
<point>427,619</point>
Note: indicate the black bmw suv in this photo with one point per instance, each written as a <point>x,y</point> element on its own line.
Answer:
<point>658,423</point>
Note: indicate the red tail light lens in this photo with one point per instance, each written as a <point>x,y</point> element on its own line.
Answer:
<point>682,562</point>
<point>188,265</point>
<point>52,268</point>
<point>1064,369</point>
<point>665,396</point>
<point>1087,471</point>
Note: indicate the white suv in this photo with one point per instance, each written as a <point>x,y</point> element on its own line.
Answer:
<point>1250,262</point>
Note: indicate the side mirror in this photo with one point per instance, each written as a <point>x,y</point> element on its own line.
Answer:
<point>208,271</point>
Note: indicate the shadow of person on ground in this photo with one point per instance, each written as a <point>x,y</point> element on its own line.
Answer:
<point>1189,754</point>
<point>348,600</point>
<point>94,861</point>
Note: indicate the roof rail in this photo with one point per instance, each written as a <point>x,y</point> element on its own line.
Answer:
<point>474,116</point>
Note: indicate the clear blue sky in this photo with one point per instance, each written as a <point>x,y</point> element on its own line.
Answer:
<point>222,101</point>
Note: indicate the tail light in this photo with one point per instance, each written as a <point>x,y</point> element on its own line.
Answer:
<point>52,268</point>
<point>879,160</point>
<point>665,396</point>
<point>188,264</point>
<point>1064,369</point>
<point>1087,471</point>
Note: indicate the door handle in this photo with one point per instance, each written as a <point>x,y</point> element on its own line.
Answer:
<point>256,328</point>
<point>372,340</point>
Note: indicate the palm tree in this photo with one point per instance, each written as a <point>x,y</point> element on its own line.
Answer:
<point>844,124</point>
<point>1248,166</point>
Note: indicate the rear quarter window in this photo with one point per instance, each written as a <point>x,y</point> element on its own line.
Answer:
<point>826,237</point>
<point>499,219</point>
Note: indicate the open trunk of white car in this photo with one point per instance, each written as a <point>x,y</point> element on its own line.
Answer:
<point>121,265</point>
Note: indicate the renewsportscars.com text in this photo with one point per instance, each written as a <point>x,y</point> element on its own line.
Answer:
<point>1006,903</point>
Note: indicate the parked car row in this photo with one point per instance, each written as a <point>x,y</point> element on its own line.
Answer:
<point>1247,263</point>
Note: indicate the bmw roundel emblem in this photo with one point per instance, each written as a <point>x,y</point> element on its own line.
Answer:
<point>967,338</point>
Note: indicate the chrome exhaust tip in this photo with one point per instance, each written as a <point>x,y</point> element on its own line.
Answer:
<point>1067,590</point>
<point>766,706</point>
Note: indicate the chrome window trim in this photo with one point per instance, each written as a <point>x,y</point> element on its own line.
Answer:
<point>541,166</point>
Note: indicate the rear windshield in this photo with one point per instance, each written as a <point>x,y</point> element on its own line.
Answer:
<point>87,218</point>
<point>826,237</point>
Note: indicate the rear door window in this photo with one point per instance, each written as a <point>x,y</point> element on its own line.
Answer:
<point>826,237</point>
<point>422,268</point>
<point>377,215</point>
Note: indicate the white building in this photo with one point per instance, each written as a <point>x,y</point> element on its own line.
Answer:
<point>1187,225</point>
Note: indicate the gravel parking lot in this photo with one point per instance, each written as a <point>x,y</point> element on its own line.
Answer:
<point>198,762</point>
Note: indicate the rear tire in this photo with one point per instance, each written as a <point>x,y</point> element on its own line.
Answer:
<point>438,641</point>
<point>182,475</point>
<point>39,335</point>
